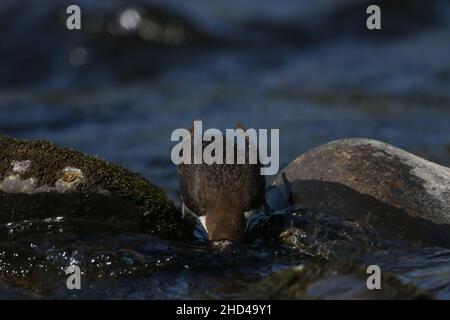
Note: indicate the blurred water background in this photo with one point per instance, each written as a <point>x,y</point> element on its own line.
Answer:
<point>137,70</point>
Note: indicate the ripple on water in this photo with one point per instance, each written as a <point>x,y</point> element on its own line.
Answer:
<point>34,257</point>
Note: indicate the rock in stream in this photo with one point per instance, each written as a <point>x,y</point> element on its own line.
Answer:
<point>373,183</point>
<point>39,180</point>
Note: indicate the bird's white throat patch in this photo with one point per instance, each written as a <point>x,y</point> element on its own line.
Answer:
<point>253,217</point>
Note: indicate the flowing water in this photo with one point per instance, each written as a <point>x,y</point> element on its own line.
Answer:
<point>118,92</point>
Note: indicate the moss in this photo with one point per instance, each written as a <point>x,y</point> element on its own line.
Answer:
<point>342,280</point>
<point>139,197</point>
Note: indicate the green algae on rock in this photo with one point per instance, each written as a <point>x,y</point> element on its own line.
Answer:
<point>41,180</point>
<point>330,281</point>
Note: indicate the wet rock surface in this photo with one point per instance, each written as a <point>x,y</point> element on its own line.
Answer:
<point>373,183</point>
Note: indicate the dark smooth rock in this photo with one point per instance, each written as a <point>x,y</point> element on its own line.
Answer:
<point>373,183</point>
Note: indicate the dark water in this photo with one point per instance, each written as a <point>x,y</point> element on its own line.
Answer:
<point>34,256</point>
<point>309,68</point>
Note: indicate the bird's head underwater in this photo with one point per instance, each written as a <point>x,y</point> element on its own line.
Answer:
<point>220,194</point>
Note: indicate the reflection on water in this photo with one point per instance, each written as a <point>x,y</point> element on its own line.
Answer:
<point>35,255</point>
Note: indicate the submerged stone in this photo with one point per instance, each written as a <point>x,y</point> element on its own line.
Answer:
<point>373,183</point>
<point>330,281</point>
<point>40,180</point>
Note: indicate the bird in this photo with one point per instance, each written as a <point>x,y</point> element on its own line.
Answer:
<point>220,195</point>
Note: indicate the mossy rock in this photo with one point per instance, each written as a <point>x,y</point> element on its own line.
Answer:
<point>336,281</point>
<point>40,180</point>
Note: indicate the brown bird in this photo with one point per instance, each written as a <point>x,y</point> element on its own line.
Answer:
<point>219,194</point>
